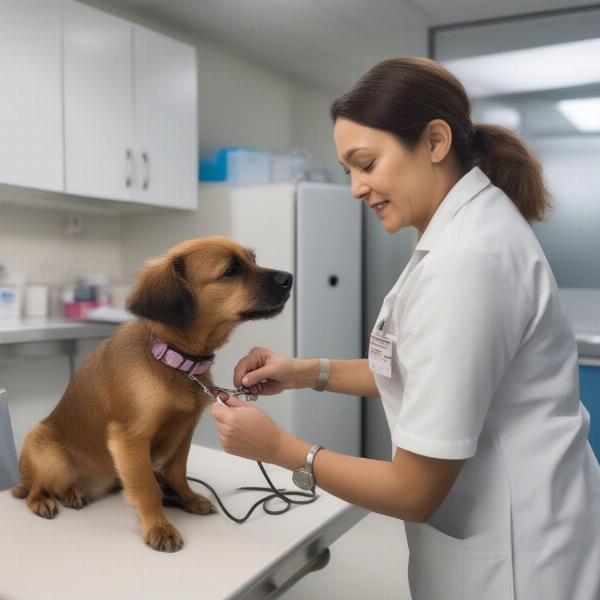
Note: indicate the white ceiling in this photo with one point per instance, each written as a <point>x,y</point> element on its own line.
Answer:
<point>327,43</point>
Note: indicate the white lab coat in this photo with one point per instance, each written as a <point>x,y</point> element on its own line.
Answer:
<point>484,368</point>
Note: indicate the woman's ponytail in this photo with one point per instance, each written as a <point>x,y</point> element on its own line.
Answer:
<point>509,165</point>
<point>402,95</point>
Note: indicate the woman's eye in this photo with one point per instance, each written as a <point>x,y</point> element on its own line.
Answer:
<point>368,167</point>
<point>346,170</point>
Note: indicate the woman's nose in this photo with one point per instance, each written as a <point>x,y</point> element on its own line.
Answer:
<point>359,189</point>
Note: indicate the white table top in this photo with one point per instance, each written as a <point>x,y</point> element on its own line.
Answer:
<point>98,552</point>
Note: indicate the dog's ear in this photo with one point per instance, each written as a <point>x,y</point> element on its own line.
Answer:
<point>163,294</point>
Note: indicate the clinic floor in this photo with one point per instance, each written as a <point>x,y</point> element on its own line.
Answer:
<point>367,562</point>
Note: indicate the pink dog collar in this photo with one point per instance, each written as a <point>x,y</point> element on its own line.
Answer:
<point>192,365</point>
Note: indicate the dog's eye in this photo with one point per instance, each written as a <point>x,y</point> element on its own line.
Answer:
<point>235,268</point>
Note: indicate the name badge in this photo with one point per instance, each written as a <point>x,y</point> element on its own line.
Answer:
<point>380,355</point>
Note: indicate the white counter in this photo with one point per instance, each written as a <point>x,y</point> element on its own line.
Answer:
<point>583,308</point>
<point>14,331</point>
<point>98,552</point>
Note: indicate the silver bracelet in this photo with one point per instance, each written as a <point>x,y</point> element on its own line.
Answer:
<point>323,375</point>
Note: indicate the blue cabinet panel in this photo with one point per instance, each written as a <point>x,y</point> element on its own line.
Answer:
<point>589,381</point>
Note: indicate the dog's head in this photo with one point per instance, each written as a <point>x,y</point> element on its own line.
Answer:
<point>208,283</point>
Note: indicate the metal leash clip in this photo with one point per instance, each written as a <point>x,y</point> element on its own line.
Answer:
<point>214,391</point>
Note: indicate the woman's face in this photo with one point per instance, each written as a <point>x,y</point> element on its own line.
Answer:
<point>400,184</point>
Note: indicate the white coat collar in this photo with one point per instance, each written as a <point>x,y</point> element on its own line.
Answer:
<point>468,186</point>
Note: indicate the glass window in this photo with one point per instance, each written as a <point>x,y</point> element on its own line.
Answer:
<point>539,75</point>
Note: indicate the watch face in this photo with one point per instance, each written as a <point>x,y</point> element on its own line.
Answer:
<point>303,479</point>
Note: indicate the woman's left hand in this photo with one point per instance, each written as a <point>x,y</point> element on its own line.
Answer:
<point>246,430</point>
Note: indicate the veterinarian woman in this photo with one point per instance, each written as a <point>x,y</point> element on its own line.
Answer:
<point>471,354</point>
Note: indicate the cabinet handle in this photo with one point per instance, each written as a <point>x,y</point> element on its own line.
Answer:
<point>129,172</point>
<point>146,160</point>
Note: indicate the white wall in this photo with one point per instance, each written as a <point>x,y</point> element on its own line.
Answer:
<point>33,241</point>
<point>312,129</point>
<point>240,103</point>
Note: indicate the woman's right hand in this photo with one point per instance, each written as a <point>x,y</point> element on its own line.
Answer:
<point>266,373</point>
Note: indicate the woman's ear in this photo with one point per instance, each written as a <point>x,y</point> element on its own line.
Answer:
<point>163,294</point>
<point>439,139</point>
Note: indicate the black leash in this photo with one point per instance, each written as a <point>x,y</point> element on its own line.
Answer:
<point>277,493</point>
<point>172,498</point>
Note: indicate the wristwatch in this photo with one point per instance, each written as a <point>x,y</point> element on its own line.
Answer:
<point>303,477</point>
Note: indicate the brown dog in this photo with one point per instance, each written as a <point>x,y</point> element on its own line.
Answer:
<point>126,419</point>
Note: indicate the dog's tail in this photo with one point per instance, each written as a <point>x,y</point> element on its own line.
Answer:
<point>19,491</point>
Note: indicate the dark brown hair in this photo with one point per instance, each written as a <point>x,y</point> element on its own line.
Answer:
<point>402,95</point>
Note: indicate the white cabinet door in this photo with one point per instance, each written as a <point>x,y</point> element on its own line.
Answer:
<point>98,100</point>
<point>31,138</point>
<point>165,120</point>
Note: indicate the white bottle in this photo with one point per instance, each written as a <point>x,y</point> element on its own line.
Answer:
<point>11,294</point>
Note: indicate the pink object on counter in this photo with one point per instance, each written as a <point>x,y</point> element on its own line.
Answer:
<point>79,310</point>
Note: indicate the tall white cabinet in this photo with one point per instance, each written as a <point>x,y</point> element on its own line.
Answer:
<point>313,231</point>
<point>31,97</point>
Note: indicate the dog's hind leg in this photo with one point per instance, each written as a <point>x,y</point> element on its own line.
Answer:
<point>19,491</point>
<point>48,473</point>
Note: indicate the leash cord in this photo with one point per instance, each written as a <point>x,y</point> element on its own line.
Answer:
<point>277,493</point>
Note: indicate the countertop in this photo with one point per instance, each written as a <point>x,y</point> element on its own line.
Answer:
<point>583,309</point>
<point>15,331</point>
<point>98,552</point>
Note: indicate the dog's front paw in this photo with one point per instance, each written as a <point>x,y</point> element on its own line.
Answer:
<point>73,498</point>
<point>199,505</point>
<point>43,506</point>
<point>164,538</point>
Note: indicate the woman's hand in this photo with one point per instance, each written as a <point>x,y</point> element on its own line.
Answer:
<point>267,373</point>
<point>246,430</point>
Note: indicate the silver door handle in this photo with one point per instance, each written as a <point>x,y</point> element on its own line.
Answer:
<point>129,171</point>
<point>146,161</point>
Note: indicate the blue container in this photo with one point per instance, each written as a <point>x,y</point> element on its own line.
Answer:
<point>216,168</point>
<point>589,381</point>
<point>238,166</point>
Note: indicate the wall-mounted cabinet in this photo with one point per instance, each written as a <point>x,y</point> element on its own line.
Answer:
<point>31,126</point>
<point>98,99</point>
<point>165,126</point>
<point>124,96</point>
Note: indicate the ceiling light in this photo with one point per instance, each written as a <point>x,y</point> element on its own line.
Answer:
<point>543,68</point>
<point>583,113</point>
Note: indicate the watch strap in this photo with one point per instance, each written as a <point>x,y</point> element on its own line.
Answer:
<point>310,457</point>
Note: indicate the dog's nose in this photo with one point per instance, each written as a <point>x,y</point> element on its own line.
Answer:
<point>283,279</point>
